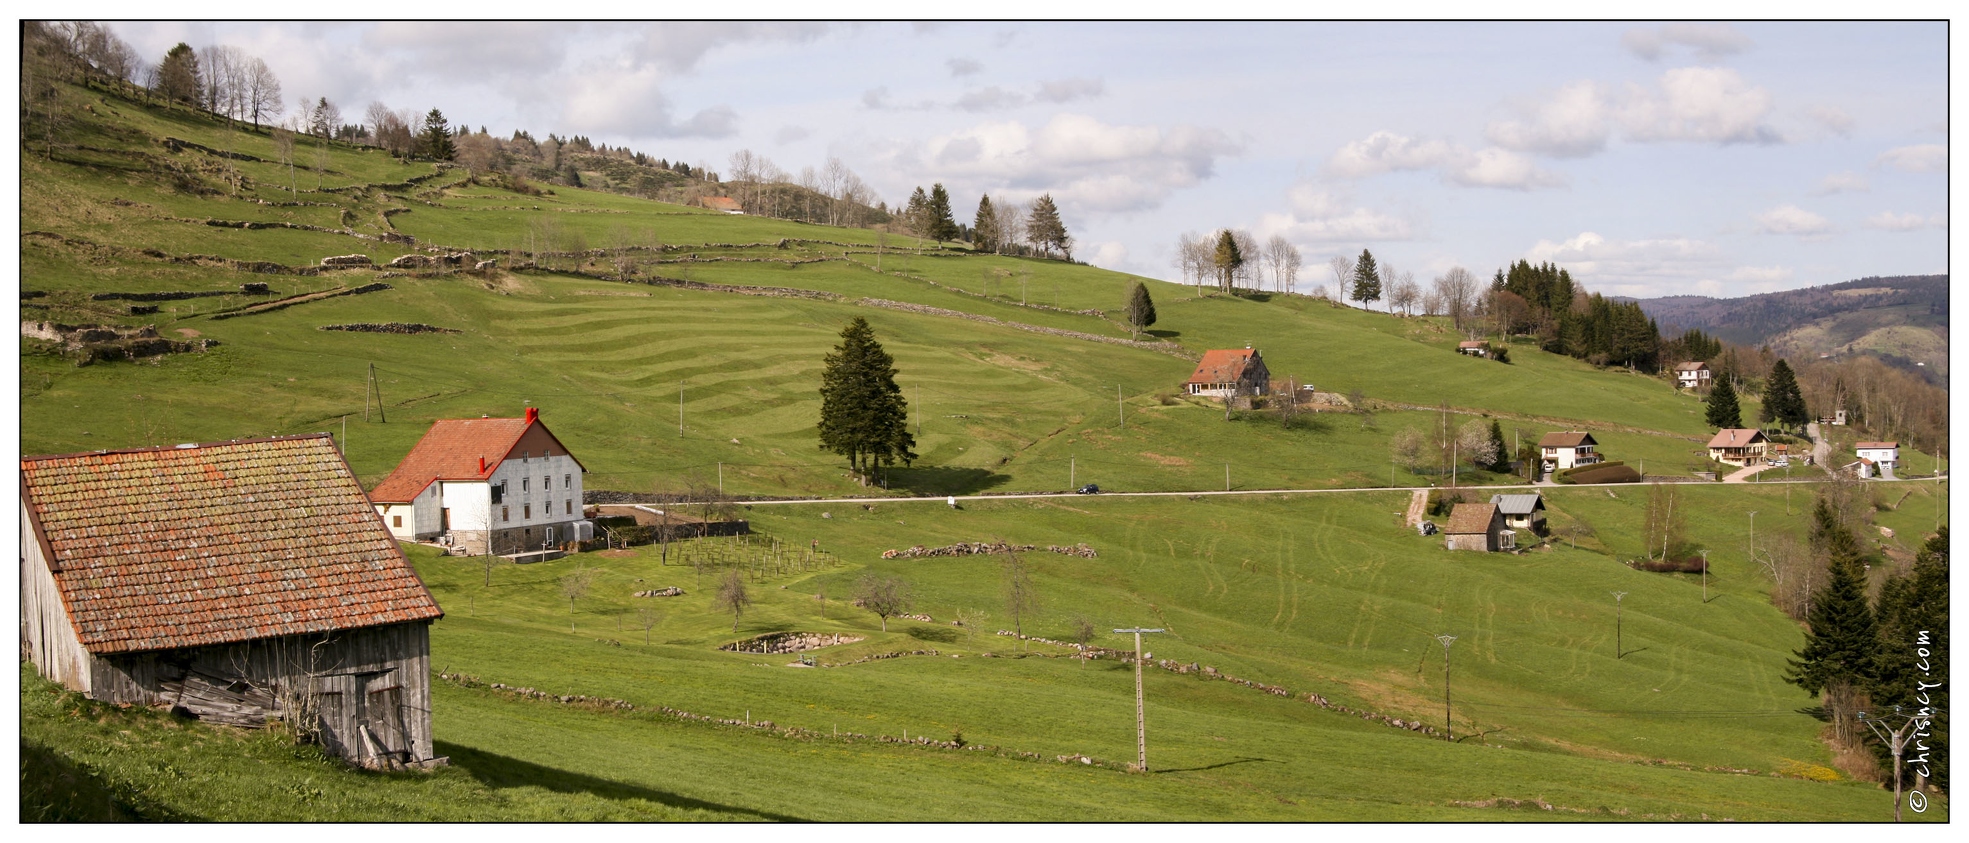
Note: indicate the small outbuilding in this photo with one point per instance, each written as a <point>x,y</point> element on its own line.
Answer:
<point>1478,526</point>
<point>237,582</point>
<point>1474,348</point>
<point>1522,512</point>
<point>723,203</point>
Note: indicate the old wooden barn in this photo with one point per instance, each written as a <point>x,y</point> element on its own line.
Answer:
<point>237,581</point>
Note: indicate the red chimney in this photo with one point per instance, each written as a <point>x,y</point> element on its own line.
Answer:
<point>532,414</point>
<point>481,463</point>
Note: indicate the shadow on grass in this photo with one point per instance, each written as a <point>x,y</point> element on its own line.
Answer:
<point>1220,765</point>
<point>944,481</point>
<point>1163,334</point>
<point>499,771</point>
<point>56,790</point>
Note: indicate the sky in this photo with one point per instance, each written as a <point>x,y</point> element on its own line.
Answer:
<point>1649,159</point>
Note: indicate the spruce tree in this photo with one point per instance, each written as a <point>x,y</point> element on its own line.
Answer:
<point>1141,309</point>
<point>941,225</point>
<point>1913,620</point>
<point>437,136</point>
<point>1367,280</point>
<point>178,75</point>
<point>862,412</point>
<point>1722,402</point>
<point>1842,640</point>
<point>916,217</point>
<point>1044,228</point>
<point>985,235</point>
<point>1783,403</point>
<point>1227,259</point>
<point>1500,460</point>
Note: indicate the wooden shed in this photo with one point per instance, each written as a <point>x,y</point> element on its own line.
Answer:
<point>1477,526</point>
<point>239,582</point>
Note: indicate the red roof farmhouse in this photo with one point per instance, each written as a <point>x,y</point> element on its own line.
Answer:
<point>473,484</point>
<point>235,581</point>
<point>1227,372</point>
<point>1738,446</point>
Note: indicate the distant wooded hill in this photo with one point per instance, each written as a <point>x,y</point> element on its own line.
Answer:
<point>1902,319</point>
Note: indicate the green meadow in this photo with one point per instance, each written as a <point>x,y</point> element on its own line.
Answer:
<point>660,387</point>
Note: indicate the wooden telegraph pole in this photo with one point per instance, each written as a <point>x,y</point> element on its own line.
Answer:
<point>1446,641</point>
<point>1141,726</point>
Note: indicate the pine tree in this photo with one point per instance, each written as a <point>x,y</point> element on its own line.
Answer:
<point>1722,402</point>
<point>436,138</point>
<point>1783,403</point>
<point>1913,619</point>
<point>916,217</point>
<point>1500,455</point>
<point>941,226</point>
<point>1367,280</point>
<point>1842,639</point>
<point>178,74</point>
<point>862,412</point>
<point>1044,228</point>
<point>985,235</point>
<point>1227,259</point>
<point>1141,309</point>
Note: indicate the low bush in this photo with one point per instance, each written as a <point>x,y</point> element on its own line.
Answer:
<point>1606,472</point>
<point>1684,565</point>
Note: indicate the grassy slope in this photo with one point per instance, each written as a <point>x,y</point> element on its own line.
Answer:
<point>1323,594</point>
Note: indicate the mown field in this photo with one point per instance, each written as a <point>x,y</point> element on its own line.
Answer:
<point>1322,594</point>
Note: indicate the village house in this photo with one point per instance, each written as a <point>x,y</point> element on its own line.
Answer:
<point>485,485</point>
<point>1474,348</point>
<point>1878,457</point>
<point>1691,375</point>
<point>1478,526</point>
<point>1522,512</point>
<point>1224,373</point>
<point>1738,446</point>
<point>236,582</point>
<point>722,203</point>
<point>1563,449</point>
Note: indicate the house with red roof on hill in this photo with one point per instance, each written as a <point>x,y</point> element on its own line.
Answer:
<point>236,582</point>
<point>504,486</point>
<point>1228,372</point>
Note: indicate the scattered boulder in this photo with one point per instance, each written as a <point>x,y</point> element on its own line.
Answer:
<point>671,591</point>
<point>485,265</point>
<point>790,642</point>
<point>412,261</point>
<point>347,261</point>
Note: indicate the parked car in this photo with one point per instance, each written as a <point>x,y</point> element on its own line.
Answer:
<point>1089,489</point>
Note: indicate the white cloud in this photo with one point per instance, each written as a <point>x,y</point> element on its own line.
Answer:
<point>1761,274</point>
<point>964,66</point>
<point>1319,215</point>
<point>1709,104</point>
<point>1079,159</point>
<point>1068,90</point>
<point>1108,254</point>
<point>1572,122</point>
<point>1834,119</point>
<point>1642,268</point>
<point>1793,220</point>
<point>1842,182</point>
<point>1920,158</point>
<point>630,102</point>
<point>1385,152</point>
<point>1890,221</point>
<point>791,134</point>
<point>990,99</point>
<point>678,46</point>
<point>1711,41</point>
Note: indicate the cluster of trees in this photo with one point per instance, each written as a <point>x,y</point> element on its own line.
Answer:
<point>1863,654</point>
<point>832,195</point>
<point>1444,449</point>
<point>1233,261</point>
<point>1008,229</point>
<point>863,415</point>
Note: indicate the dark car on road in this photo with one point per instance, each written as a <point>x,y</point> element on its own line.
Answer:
<point>1089,489</point>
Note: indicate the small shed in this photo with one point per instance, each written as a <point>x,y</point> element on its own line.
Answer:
<point>1230,372</point>
<point>238,581</point>
<point>1474,348</point>
<point>1522,512</point>
<point>1477,526</point>
<point>722,203</point>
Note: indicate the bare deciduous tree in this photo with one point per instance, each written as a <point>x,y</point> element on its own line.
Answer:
<point>1343,272</point>
<point>1403,292</point>
<point>263,99</point>
<point>882,594</point>
<point>647,618</point>
<point>1458,290</point>
<point>574,586</point>
<point>732,597</point>
<point>1406,447</point>
<point>1284,259</point>
<point>1021,594</point>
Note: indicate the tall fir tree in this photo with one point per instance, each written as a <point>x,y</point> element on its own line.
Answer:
<point>436,138</point>
<point>178,75</point>
<point>1842,639</point>
<point>1911,667</point>
<point>1722,403</point>
<point>1227,258</point>
<point>863,415</point>
<point>985,235</point>
<point>1141,309</point>
<point>1044,228</point>
<point>942,225</point>
<point>1500,459</point>
<point>916,216</point>
<point>1367,280</point>
<point>1783,402</point>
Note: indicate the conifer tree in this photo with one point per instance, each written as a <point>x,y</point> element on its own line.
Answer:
<point>862,412</point>
<point>941,226</point>
<point>178,74</point>
<point>437,136</point>
<point>1842,639</point>
<point>1722,403</point>
<point>1367,280</point>
<point>1044,228</point>
<point>1913,619</point>
<point>916,216</point>
<point>985,235</point>
<point>1141,309</point>
<point>1783,403</point>
<point>1500,455</point>
<point>1227,259</point>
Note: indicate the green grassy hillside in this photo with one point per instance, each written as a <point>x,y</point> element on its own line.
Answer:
<point>1018,379</point>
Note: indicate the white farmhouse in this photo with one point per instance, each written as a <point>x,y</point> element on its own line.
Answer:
<point>1878,456</point>
<point>1692,375</point>
<point>1563,449</point>
<point>506,486</point>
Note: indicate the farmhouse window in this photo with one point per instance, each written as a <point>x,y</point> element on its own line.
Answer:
<point>396,520</point>
<point>526,511</point>
<point>547,482</point>
<point>505,513</point>
<point>499,492</point>
<point>570,506</point>
<point>567,481</point>
<point>525,483</point>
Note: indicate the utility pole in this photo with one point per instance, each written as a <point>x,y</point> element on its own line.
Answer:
<point>1705,577</point>
<point>1141,726</point>
<point>1071,471</point>
<point>1753,533</point>
<point>1227,477</point>
<point>1446,641</point>
<point>1617,654</point>
<point>1896,740</point>
<point>721,478</point>
<point>680,409</point>
<point>1119,411</point>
